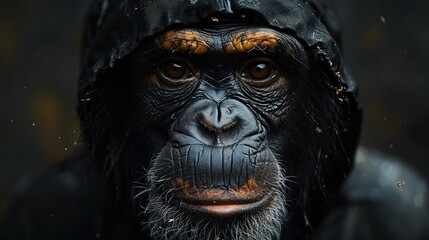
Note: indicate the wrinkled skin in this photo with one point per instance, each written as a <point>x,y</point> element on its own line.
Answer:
<point>232,119</point>
<point>218,120</point>
<point>214,119</point>
<point>226,124</point>
<point>218,156</point>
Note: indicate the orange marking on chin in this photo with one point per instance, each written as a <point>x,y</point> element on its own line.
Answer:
<point>184,186</point>
<point>186,41</point>
<point>246,41</point>
<point>248,190</point>
<point>251,187</point>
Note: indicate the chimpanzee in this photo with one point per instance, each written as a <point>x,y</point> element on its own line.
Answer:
<point>223,119</point>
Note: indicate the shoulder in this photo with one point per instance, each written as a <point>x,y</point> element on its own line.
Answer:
<point>383,199</point>
<point>61,203</point>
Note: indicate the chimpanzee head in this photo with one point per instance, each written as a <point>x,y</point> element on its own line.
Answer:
<point>218,119</point>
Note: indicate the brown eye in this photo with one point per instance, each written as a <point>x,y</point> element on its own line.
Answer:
<point>175,72</point>
<point>175,69</point>
<point>261,73</point>
<point>259,70</point>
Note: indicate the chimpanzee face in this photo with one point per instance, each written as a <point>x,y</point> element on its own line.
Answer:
<point>218,119</point>
<point>221,103</point>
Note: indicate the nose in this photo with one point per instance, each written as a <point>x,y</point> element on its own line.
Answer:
<point>217,119</point>
<point>216,123</point>
<point>223,123</point>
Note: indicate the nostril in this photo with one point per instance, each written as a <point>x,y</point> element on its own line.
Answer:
<point>229,123</point>
<point>207,123</point>
<point>228,110</point>
<point>222,125</point>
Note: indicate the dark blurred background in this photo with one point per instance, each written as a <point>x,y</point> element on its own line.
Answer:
<point>386,43</point>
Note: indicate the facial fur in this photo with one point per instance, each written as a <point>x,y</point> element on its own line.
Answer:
<point>227,119</point>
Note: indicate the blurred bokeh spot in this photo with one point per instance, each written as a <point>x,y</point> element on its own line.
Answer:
<point>39,67</point>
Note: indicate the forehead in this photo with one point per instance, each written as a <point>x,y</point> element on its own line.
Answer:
<point>229,40</point>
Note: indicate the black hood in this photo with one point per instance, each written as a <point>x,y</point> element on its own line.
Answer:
<point>116,27</point>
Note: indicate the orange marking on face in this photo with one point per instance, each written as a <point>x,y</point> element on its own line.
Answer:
<point>249,189</point>
<point>186,41</point>
<point>184,186</point>
<point>246,41</point>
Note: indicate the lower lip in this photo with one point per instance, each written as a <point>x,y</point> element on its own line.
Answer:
<point>227,210</point>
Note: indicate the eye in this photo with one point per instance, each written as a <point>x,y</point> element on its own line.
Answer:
<point>259,70</point>
<point>260,73</point>
<point>176,71</point>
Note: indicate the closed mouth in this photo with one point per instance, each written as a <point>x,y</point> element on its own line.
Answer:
<point>225,208</point>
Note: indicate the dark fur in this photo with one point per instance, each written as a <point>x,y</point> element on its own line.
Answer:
<point>114,127</point>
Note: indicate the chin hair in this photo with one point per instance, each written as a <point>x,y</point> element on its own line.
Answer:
<point>166,221</point>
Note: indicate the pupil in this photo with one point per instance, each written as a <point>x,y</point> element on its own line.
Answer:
<point>260,70</point>
<point>175,70</point>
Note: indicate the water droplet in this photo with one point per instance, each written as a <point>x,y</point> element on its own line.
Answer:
<point>400,184</point>
<point>34,124</point>
<point>338,74</point>
<point>382,19</point>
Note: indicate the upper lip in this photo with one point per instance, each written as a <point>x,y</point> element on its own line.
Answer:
<point>222,202</point>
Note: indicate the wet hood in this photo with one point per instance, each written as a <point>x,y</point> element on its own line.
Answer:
<point>115,28</point>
